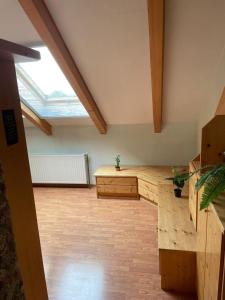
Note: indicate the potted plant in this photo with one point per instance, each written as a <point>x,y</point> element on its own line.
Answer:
<point>212,179</point>
<point>117,165</point>
<point>178,181</point>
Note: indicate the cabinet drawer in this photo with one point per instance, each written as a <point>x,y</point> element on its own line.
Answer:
<point>116,180</point>
<point>148,190</point>
<point>117,190</point>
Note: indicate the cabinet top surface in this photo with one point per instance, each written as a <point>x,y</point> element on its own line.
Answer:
<point>176,230</point>
<point>154,174</point>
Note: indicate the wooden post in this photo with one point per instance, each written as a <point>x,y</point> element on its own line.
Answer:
<point>17,178</point>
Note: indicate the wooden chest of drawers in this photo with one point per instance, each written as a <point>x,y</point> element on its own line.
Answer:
<point>117,187</point>
<point>131,182</point>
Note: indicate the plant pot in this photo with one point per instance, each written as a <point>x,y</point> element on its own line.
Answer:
<point>177,193</point>
<point>117,168</point>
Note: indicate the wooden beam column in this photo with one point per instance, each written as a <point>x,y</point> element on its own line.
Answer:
<point>16,172</point>
<point>156,21</point>
<point>34,119</point>
<point>42,20</point>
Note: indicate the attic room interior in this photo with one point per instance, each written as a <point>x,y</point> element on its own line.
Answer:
<point>112,167</point>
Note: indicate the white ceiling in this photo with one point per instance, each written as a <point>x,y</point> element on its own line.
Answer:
<point>109,41</point>
<point>194,58</point>
<point>14,24</point>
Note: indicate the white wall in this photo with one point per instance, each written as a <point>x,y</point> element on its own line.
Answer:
<point>136,144</point>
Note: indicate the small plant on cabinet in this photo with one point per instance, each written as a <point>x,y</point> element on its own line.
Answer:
<point>212,180</point>
<point>117,165</point>
<point>178,181</point>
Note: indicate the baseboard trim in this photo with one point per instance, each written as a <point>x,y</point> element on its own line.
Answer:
<point>63,185</point>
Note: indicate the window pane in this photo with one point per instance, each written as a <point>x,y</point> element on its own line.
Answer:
<point>48,76</point>
<point>44,88</point>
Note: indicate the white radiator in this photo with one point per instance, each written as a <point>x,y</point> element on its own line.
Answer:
<point>62,169</point>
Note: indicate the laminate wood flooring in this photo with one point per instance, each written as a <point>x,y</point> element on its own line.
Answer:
<point>98,249</point>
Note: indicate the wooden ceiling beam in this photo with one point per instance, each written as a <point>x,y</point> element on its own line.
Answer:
<point>42,20</point>
<point>34,119</point>
<point>156,20</point>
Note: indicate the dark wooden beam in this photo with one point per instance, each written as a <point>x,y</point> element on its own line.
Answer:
<point>17,53</point>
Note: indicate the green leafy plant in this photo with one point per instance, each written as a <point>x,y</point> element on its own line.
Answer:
<point>212,180</point>
<point>117,159</point>
<point>178,180</point>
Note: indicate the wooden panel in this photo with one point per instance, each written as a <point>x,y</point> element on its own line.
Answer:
<point>214,257</point>
<point>15,165</point>
<point>148,190</point>
<point>117,180</point>
<point>210,250</point>
<point>221,105</point>
<point>175,229</point>
<point>213,142</point>
<point>193,196</point>
<point>34,119</point>
<point>178,270</point>
<point>201,246</point>
<point>42,20</point>
<point>156,42</point>
<point>116,189</point>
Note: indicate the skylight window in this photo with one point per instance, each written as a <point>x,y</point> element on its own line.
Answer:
<point>44,88</point>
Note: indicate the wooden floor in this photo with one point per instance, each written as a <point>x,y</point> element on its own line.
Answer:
<point>98,249</point>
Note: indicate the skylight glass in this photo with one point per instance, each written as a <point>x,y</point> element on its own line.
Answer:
<point>44,88</point>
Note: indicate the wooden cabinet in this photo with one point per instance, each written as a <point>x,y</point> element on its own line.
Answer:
<point>121,181</point>
<point>210,252</point>
<point>176,242</point>
<point>148,190</point>
<point>210,222</point>
<point>130,182</point>
<point>117,187</point>
<point>214,256</point>
<point>117,190</point>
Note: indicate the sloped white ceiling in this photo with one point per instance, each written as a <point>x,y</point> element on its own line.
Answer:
<point>109,41</point>
<point>194,58</point>
<point>14,24</point>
